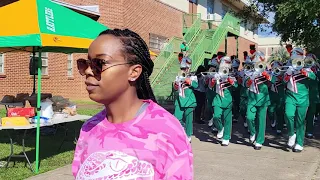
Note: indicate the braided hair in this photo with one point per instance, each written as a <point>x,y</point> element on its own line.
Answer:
<point>136,52</point>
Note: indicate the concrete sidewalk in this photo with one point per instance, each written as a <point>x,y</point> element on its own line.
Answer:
<point>239,161</point>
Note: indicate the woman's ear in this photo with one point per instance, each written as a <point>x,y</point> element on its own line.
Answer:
<point>135,72</point>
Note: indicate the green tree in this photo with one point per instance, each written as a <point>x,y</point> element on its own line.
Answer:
<point>280,55</point>
<point>295,20</point>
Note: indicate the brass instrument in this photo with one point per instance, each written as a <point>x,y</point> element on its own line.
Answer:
<point>278,70</point>
<point>298,63</point>
<point>309,61</point>
<point>224,72</point>
<point>248,67</point>
<point>260,66</point>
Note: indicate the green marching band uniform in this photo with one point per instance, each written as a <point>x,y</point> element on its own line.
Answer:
<point>258,102</point>
<point>286,93</point>
<point>297,82</point>
<point>222,103</point>
<point>277,93</point>
<point>185,102</point>
<point>314,98</point>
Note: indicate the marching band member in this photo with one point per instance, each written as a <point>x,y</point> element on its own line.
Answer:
<point>297,99</point>
<point>314,98</point>
<point>185,101</point>
<point>276,92</point>
<point>222,102</point>
<point>258,99</point>
<point>244,89</point>
<point>210,93</point>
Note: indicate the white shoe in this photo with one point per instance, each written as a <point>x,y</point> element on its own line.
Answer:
<point>210,123</point>
<point>297,148</point>
<point>279,131</point>
<point>220,134</point>
<point>274,124</point>
<point>257,146</point>
<point>292,140</point>
<point>245,124</point>
<point>225,142</point>
<point>189,139</point>
<point>252,138</point>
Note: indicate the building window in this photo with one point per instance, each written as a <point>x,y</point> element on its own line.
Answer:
<point>44,58</point>
<point>70,65</point>
<point>156,41</point>
<point>1,63</point>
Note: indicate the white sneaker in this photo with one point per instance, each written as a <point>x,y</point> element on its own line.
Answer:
<point>257,146</point>
<point>220,134</point>
<point>252,138</point>
<point>279,131</point>
<point>274,123</point>
<point>297,148</point>
<point>210,123</point>
<point>245,124</point>
<point>225,142</point>
<point>189,138</point>
<point>292,140</point>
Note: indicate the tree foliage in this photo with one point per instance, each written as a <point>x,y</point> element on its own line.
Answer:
<point>280,55</point>
<point>297,21</point>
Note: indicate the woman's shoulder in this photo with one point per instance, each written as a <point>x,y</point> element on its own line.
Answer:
<point>93,121</point>
<point>162,120</point>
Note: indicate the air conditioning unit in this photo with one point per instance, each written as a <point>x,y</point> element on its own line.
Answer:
<point>211,17</point>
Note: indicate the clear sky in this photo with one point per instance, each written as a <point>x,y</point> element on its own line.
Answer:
<point>267,32</point>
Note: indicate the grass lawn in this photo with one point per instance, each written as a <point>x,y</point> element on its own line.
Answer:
<point>50,157</point>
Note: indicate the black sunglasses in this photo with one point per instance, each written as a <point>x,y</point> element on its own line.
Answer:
<point>95,64</point>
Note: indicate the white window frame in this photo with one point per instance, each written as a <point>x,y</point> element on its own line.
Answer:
<point>70,65</point>
<point>156,41</point>
<point>44,58</point>
<point>2,63</point>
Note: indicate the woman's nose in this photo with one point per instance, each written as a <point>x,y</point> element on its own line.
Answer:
<point>88,71</point>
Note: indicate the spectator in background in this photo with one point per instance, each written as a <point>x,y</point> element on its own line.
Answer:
<point>184,47</point>
<point>200,93</point>
<point>185,64</point>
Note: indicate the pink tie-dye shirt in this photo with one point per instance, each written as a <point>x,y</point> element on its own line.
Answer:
<point>151,146</point>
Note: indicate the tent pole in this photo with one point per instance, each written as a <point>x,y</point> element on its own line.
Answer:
<point>38,112</point>
<point>34,66</point>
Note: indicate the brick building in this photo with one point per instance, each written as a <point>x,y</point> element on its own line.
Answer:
<point>154,20</point>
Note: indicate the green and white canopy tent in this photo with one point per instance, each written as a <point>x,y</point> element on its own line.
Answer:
<point>44,26</point>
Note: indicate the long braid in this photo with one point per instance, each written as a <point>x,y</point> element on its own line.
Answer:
<point>137,52</point>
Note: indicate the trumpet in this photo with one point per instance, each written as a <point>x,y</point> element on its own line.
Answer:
<point>248,67</point>
<point>278,70</point>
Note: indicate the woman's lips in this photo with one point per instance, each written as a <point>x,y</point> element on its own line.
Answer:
<point>91,86</point>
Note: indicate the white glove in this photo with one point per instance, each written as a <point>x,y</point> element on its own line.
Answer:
<point>290,71</point>
<point>217,77</point>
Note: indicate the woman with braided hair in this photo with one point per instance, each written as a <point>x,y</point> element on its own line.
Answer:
<point>133,137</point>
